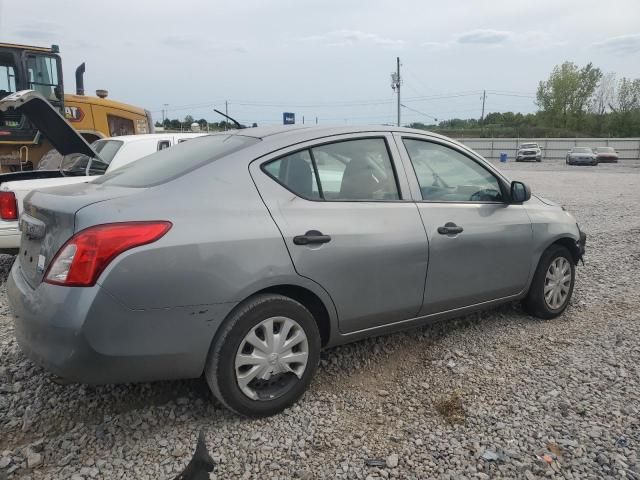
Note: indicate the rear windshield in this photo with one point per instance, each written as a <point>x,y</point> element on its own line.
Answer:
<point>170,163</point>
<point>605,149</point>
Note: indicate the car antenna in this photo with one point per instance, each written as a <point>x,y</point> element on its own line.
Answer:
<point>232,119</point>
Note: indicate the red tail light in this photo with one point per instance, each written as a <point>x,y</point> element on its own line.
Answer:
<point>8,206</point>
<point>84,257</point>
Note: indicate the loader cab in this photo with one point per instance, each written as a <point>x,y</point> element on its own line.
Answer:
<point>24,67</point>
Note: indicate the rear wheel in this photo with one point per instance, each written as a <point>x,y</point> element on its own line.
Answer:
<point>264,357</point>
<point>552,284</point>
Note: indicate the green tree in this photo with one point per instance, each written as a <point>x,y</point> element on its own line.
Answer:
<point>566,95</point>
<point>628,96</point>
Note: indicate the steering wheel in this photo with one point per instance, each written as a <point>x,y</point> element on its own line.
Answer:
<point>486,194</point>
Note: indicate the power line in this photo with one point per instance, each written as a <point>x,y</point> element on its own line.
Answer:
<point>494,92</point>
<point>418,111</point>
<point>347,103</point>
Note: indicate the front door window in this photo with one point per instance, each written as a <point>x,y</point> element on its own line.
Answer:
<point>446,175</point>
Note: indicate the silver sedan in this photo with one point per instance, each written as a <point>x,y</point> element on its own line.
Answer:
<point>241,255</point>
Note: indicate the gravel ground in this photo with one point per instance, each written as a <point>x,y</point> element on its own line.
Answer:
<point>497,394</point>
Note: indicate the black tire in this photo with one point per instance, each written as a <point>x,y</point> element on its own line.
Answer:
<point>534,303</point>
<point>220,368</point>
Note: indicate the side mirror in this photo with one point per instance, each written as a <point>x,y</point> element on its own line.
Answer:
<point>520,192</point>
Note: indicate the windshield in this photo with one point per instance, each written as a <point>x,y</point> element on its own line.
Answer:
<point>42,75</point>
<point>582,150</point>
<point>7,77</point>
<point>529,145</point>
<point>170,163</point>
<point>107,149</point>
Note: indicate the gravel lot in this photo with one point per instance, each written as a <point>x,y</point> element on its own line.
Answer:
<point>498,394</point>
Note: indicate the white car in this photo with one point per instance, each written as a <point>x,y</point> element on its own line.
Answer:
<point>113,153</point>
<point>529,151</point>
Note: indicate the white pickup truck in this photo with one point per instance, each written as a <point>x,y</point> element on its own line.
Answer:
<point>76,162</point>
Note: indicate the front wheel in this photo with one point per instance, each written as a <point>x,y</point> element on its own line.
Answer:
<point>552,284</point>
<point>264,356</point>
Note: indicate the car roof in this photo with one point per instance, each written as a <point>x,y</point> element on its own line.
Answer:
<point>291,134</point>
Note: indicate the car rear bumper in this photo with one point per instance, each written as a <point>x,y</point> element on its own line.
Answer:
<point>85,335</point>
<point>582,162</point>
<point>9,237</point>
<point>524,158</point>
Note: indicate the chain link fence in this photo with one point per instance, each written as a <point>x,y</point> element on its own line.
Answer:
<point>552,148</point>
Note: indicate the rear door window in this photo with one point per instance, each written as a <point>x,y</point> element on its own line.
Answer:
<point>296,173</point>
<point>358,170</point>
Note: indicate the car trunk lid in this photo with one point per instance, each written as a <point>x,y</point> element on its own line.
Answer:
<point>48,221</point>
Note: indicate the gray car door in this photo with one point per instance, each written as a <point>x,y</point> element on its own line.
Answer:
<point>480,246</point>
<point>349,224</point>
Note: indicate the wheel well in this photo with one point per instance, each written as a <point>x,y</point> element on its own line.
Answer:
<point>311,301</point>
<point>570,244</point>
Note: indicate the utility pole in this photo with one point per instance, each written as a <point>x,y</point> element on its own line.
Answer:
<point>484,97</point>
<point>165,111</point>
<point>226,112</point>
<point>396,80</point>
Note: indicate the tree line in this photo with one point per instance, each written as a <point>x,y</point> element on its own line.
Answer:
<point>203,124</point>
<point>573,101</point>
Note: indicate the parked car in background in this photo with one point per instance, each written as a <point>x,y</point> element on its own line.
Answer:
<point>606,154</point>
<point>581,156</point>
<point>241,254</point>
<point>80,163</point>
<point>529,152</point>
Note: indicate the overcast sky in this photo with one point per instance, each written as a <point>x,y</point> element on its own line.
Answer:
<point>329,58</point>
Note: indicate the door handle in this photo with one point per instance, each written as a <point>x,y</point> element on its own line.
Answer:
<point>450,228</point>
<point>311,237</point>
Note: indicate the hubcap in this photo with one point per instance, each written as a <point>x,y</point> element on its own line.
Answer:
<point>557,283</point>
<point>271,358</point>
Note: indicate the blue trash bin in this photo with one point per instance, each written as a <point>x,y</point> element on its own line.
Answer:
<point>503,157</point>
